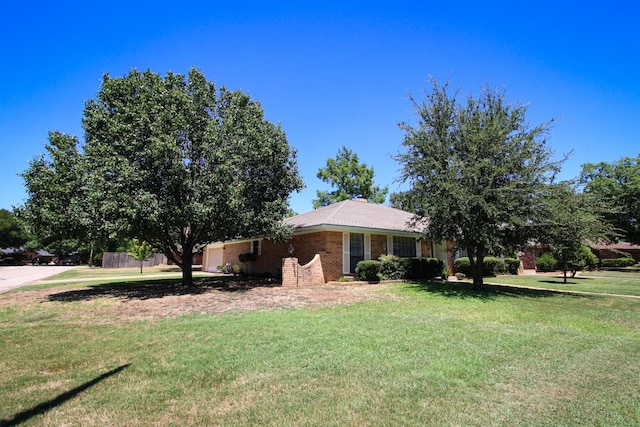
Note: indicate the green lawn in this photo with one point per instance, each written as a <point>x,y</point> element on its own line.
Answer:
<point>611,282</point>
<point>83,271</point>
<point>422,354</point>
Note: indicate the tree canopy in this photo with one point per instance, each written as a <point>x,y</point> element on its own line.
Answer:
<point>350,178</point>
<point>617,184</point>
<point>11,234</point>
<point>55,213</point>
<point>140,251</point>
<point>173,161</point>
<point>475,170</point>
<point>567,220</point>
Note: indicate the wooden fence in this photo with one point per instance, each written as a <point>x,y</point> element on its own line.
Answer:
<point>123,260</point>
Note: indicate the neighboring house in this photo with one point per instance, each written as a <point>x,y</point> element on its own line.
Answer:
<point>603,251</point>
<point>341,234</point>
<point>40,257</point>
<point>616,250</point>
<point>20,256</point>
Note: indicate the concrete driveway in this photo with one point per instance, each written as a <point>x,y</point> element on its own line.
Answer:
<point>12,277</point>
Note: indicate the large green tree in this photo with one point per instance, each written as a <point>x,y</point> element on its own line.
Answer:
<point>11,234</point>
<point>55,212</point>
<point>475,169</point>
<point>175,162</point>
<point>618,184</point>
<point>350,178</point>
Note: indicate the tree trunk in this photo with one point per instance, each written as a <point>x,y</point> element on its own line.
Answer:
<point>565,276</point>
<point>187,273</point>
<point>476,262</point>
<point>478,281</point>
<point>141,262</point>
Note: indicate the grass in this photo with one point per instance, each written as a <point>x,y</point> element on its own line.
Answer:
<point>85,272</point>
<point>424,354</point>
<point>610,282</point>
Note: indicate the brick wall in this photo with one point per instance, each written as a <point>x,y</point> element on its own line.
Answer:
<point>327,244</point>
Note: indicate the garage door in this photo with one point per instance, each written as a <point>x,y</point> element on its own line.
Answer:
<point>214,259</point>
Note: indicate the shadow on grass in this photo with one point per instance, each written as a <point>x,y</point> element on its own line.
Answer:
<point>58,400</point>
<point>159,288</point>
<point>464,290</point>
<point>570,280</point>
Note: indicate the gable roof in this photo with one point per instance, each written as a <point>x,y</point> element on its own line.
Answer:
<point>357,214</point>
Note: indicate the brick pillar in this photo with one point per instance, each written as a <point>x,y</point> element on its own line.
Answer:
<point>289,272</point>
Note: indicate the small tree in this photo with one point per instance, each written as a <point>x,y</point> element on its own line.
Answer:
<point>350,178</point>
<point>567,221</point>
<point>140,251</point>
<point>245,258</point>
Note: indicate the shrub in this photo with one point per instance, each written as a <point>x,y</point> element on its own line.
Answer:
<point>368,270</point>
<point>512,265</point>
<point>246,257</point>
<point>618,262</point>
<point>427,268</point>
<point>588,260</point>
<point>460,276</point>
<point>463,266</point>
<point>393,267</point>
<point>492,266</point>
<point>546,262</point>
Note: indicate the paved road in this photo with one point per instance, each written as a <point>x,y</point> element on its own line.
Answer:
<point>16,276</point>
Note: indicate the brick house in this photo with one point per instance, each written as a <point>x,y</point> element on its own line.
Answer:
<point>616,250</point>
<point>341,234</point>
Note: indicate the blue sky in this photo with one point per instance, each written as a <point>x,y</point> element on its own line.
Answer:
<point>332,73</point>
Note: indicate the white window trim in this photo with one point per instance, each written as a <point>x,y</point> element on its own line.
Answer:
<point>346,256</point>
<point>367,246</point>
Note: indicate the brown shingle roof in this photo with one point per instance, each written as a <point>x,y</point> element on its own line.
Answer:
<point>620,246</point>
<point>354,214</point>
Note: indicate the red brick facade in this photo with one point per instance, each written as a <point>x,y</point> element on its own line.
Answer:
<point>327,244</point>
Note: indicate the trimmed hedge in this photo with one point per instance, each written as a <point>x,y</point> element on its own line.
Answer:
<point>424,268</point>
<point>393,267</point>
<point>368,270</point>
<point>512,265</point>
<point>618,262</point>
<point>492,266</point>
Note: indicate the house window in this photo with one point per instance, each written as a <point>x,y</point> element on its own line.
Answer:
<point>255,247</point>
<point>404,246</point>
<point>461,253</point>
<point>356,250</point>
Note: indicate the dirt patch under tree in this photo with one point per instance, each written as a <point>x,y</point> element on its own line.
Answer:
<point>153,299</point>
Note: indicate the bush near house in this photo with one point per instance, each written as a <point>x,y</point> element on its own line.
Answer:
<point>493,266</point>
<point>512,265</point>
<point>393,267</point>
<point>546,262</point>
<point>424,268</point>
<point>368,270</point>
<point>618,262</point>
